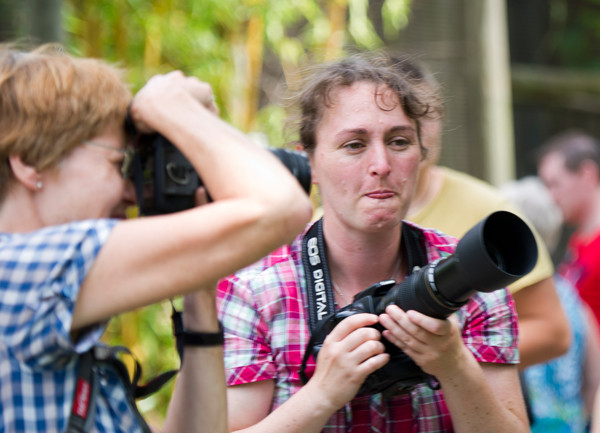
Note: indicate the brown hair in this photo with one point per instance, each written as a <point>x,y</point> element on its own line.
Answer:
<point>50,102</point>
<point>378,68</point>
<point>575,146</point>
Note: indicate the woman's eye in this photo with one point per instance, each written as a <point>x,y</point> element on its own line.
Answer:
<point>118,163</point>
<point>354,145</point>
<point>400,142</point>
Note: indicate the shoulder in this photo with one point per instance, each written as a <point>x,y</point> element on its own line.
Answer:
<point>50,264</point>
<point>59,234</point>
<point>462,201</point>
<point>458,178</point>
<point>278,261</point>
<point>47,244</point>
<point>436,242</point>
<point>465,187</point>
<point>274,275</point>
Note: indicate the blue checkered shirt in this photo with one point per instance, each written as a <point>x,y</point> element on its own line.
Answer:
<point>40,276</point>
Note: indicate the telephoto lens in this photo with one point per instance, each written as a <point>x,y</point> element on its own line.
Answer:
<point>493,254</point>
<point>496,252</point>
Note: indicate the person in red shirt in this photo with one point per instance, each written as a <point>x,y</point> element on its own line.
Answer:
<point>569,165</point>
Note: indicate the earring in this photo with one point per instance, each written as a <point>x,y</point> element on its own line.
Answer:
<point>39,184</point>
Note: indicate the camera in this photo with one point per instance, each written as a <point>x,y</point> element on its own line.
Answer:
<point>165,181</point>
<point>494,253</point>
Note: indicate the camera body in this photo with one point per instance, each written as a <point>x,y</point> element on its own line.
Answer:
<point>401,373</point>
<point>496,252</point>
<point>166,181</point>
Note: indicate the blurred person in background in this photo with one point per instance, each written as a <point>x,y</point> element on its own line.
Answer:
<point>453,202</point>
<point>69,261</point>
<point>569,166</point>
<point>561,391</point>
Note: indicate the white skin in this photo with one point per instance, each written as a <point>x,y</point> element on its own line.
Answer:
<point>365,164</point>
<point>577,193</point>
<point>258,206</point>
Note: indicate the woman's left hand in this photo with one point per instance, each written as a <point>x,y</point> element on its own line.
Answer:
<point>435,345</point>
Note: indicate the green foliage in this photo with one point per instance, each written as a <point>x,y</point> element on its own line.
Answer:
<point>573,36</point>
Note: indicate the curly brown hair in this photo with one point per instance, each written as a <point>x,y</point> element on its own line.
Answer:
<point>379,68</point>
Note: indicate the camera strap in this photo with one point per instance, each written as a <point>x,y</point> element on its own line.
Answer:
<point>104,356</point>
<point>86,390</point>
<point>321,301</point>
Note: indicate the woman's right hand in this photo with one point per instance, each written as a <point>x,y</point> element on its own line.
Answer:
<point>351,352</point>
<point>167,92</point>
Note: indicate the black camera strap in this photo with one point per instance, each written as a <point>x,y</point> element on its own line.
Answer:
<point>321,301</point>
<point>104,356</point>
<point>86,391</point>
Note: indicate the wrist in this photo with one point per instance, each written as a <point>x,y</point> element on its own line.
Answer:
<point>191,337</point>
<point>188,337</point>
<point>200,312</point>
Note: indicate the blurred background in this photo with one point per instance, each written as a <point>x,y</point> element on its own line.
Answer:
<point>513,73</point>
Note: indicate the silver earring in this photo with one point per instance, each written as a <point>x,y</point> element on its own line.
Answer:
<point>39,184</point>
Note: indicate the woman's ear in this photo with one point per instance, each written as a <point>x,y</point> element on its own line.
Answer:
<point>26,174</point>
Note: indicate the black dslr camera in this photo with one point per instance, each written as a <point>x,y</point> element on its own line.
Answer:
<point>166,181</point>
<point>494,253</point>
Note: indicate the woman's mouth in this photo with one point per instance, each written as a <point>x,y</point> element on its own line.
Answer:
<point>380,194</point>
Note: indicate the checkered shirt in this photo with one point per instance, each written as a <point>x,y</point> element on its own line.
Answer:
<point>40,276</point>
<point>264,314</point>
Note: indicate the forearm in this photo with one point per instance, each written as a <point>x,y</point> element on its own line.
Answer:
<point>304,412</point>
<point>199,403</point>
<point>230,164</point>
<point>476,405</point>
<point>544,331</point>
<point>350,353</point>
<point>540,341</point>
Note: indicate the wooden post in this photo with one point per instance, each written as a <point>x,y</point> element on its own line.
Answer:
<point>496,101</point>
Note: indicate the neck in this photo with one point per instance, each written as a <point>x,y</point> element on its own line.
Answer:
<point>18,213</point>
<point>359,260</point>
<point>591,222</point>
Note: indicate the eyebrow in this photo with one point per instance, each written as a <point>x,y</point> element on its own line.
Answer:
<point>363,131</point>
<point>403,129</point>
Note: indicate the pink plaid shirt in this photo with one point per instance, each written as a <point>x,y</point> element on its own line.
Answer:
<point>264,314</point>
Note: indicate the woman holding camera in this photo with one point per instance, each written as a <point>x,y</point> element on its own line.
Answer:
<point>359,123</point>
<point>69,261</point>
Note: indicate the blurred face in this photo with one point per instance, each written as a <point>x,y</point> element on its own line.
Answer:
<point>366,158</point>
<point>570,190</point>
<point>88,183</point>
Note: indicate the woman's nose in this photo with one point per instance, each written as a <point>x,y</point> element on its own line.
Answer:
<point>379,161</point>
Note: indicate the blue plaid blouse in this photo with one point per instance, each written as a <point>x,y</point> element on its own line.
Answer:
<point>40,276</point>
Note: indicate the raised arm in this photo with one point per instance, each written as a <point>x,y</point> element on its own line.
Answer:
<point>258,206</point>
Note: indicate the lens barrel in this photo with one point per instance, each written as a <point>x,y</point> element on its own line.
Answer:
<point>497,251</point>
